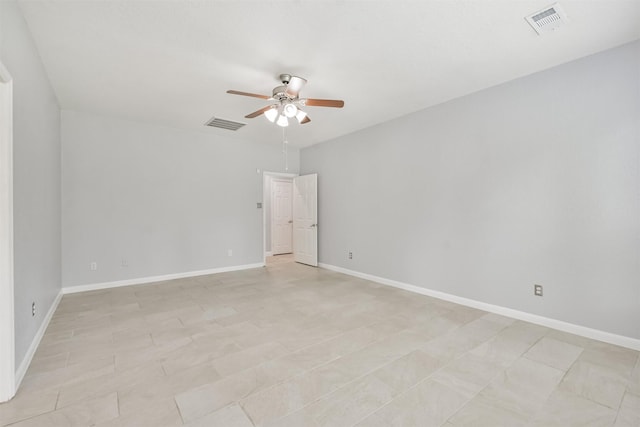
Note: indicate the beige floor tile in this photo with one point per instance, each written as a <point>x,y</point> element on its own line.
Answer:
<point>131,359</point>
<point>481,412</point>
<point>629,412</point>
<point>429,403</point>
<point>567,409</point>
<point>522,388</point>
<point>194,354</point>
<point>88,413</point>
<point>353,402</point>
<point>160,391</point>
<point>379,353</point>
<point>306,337</point>
<point>554,353</point>
<point>501,350</point>
<point>346,343</point>
<point>375,420</point>
<point>460,340</point>
<point>41,365</point>
<point>633,383</point>
<point>599,383</point>
<point>244,359</point>
<point>569,338</point>
<point>69,375</point>
<point>524,332</point>
<point>295,419</point>
<point>98,386</point>
<point>407,371</point>
<point>27,404</point>
<point>464,315</point>
<point>212,333</point>
<point>433,327</point>
<point>217,312</point>
<point>230,416</point>
<point>468,374</point>
<point>614,358</point>
<point>291,345</point>
<point>197,402</point>
<point>291,395</point>
<point>156,416</point>
<point>200,401</point>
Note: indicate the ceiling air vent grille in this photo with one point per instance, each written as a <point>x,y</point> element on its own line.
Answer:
<point>547,19</point>
<point>224,124</point>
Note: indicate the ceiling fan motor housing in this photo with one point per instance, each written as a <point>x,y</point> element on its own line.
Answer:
<point>279,93</point>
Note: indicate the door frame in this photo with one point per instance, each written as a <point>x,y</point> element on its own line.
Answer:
<point>269,174</point>
<point>7,319</point>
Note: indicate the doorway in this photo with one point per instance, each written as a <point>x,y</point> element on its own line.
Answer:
<point>277,212</point>
<point>281,216</point>
<point>7,332</point>
<point>294,221</point>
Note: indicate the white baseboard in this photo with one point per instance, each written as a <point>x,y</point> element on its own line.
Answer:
<point>142,280</point>
<point>31,351</point>
<point>571,328</point>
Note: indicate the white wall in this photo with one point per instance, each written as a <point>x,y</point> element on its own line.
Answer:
<point>533,181</point>
<point>36,167</point>
<point>168,200</point>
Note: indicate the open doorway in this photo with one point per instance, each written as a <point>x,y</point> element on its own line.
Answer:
<point>278,217</point>
<point>7,333</point>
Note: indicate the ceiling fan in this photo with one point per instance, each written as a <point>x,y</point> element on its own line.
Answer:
<point>287,102</point>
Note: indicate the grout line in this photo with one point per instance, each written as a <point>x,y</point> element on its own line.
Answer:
<point>246,414</point>
<point>178,408</point>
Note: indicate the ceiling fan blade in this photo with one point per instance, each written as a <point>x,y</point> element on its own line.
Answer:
<point>294,86</point>
<point>257,113</point>
<point>255,95</point>
<point>305,120</point>
<point>336,103</point>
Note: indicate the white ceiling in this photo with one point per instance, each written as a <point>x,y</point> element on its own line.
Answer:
<point>171,62</point>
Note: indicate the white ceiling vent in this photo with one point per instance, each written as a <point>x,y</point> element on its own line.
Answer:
<point>224,124</point>
<point>547,19</point>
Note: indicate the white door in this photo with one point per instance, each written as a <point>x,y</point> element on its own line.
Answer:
<point>281,217</point>
<point>305,219</point>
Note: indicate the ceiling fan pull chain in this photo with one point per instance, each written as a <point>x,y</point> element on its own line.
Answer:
<point>285,150</point>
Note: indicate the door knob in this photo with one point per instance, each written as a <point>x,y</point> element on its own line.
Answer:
<point>314,225</point>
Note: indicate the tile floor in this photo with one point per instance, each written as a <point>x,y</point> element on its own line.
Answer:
<point>290,345</point>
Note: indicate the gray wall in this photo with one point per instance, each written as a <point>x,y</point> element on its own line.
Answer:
<point>36,165</point>
<point>533,181</point>
<point>167,200</point>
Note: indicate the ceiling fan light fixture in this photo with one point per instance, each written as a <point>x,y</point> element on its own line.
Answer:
<point>271,114</point>
<point>286,102</point>
<point>282,121</point>
<point>300,115</point>
<point>290,110</point>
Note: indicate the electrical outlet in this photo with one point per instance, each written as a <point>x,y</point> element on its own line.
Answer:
<point>229,252</point>
<point>125,262</point>
<point>350,255</point>
<point>537,290</point>
<point>33,309</point>
<point>93,266</point>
